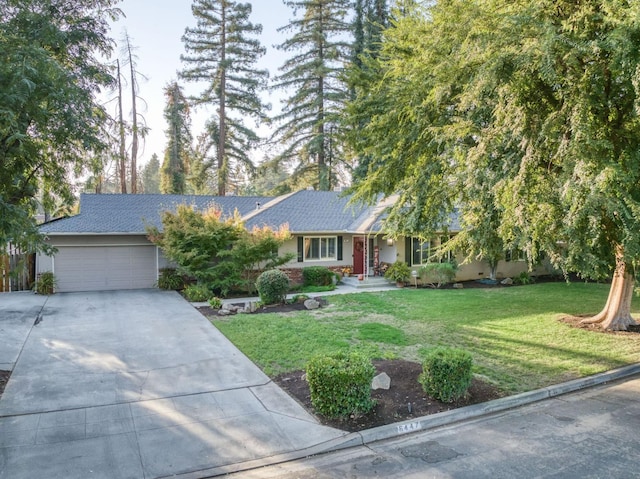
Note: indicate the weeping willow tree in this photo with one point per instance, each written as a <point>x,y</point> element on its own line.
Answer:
<point>522,114</point>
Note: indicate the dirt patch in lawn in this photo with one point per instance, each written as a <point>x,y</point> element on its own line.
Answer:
<point>575,321</point>
<point>404,400</point>
<point>4,378</point>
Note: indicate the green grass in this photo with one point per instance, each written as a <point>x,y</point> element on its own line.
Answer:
<point>514,334</point>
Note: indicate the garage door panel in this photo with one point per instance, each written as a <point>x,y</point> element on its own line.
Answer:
<point>98,268</point>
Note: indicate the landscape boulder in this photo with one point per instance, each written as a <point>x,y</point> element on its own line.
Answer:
<point>311,304</point>
<point>381,381</point>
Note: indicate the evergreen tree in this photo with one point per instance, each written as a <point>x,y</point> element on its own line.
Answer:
<point>372,17</point>
<point>221,53</point>
<point>176,156</point>
<point>151,176</point>
<point>50,122</point>
<point>309,126</point>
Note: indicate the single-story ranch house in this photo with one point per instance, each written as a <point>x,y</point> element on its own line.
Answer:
<point>105,246</point>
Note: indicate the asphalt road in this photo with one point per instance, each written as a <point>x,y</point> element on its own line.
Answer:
<point>593,433</point>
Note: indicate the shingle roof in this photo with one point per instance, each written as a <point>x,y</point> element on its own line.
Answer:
<point>312,211</point>
<point>131,214</point>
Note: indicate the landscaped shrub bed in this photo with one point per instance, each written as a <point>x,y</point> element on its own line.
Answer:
<point>272,286</point>
<point>340,384</point>
<point>317,276</point>
<point>446,373</point>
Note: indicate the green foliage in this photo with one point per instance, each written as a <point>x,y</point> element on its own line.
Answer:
<point>437,274</point>
<point>197,292</point>
<point>309,125</point>
<point>524,278</point>
<point>446,373</point>
<point>170,279</point>
<point>398,272</point>
<point>340,384</point>
<point>298,298</point>
<point>255,250</point>
<point>45,283</point>
<point>317,289</point>
<point>215,302</point>
<point>151,176</point>
<point>513,334</point>
<point>222,52</point>
<point>178,150</point>
<point>272,286</point>
<point>50,121</point>
<point>218,251</point>
<point>382,333</point>
<point>524,118</point>
<point>317,276</point>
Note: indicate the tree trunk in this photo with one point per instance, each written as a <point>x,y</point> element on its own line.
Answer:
<point>123,154</point>
<point>134,117</point>
<point>223,166</point>
<point>616,314</point>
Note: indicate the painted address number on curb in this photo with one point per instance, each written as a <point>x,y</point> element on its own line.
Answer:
<point>412,426</point>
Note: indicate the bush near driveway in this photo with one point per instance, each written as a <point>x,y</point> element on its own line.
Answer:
<point>446,373</point>
<point>272,286</point>
<point>340,384</point>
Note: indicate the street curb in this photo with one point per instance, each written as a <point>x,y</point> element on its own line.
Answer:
<point>497,405</point>
<point>425,423</point>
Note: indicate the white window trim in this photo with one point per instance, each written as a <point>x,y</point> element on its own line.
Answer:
<point>434,243</point>
<point>321,259</point>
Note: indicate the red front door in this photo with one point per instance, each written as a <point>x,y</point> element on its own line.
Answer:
<point>358,255</point>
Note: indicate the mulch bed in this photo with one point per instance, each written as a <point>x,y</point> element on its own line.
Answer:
<point>404,400</point>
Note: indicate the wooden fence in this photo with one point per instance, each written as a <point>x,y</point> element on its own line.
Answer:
<point>17,270</point>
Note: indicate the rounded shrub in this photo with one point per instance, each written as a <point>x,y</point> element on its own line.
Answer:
<point>272,286</point>
<point>317,276</point>
<point>340,384</point>
<point>446,373</point>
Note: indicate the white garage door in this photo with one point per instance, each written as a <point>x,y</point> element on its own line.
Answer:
<point>101,268</point>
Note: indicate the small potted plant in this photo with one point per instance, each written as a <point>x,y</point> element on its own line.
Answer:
<point>398,272</point>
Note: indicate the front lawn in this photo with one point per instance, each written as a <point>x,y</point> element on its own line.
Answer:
<point>514,334</point>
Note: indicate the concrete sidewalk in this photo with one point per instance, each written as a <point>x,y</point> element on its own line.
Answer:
<point>136,384</point>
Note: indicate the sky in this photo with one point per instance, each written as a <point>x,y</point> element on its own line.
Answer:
<point>155,28</point>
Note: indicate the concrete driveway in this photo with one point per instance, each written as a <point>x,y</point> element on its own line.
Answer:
<point>135,384</point>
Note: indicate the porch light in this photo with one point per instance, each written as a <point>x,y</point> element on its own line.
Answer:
<point>389,241</point>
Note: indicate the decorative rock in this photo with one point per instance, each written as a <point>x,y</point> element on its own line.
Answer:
<point>311,304</point>
<point>250,307</point>
<point>224,312</point>
<point>507,281</point>
<point>458,286</point>
<point>381,381</point>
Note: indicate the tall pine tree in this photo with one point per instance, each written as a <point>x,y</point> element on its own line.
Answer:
<point>221,53</point>
<point>176,156</point>
<point>371,19</point>
<point>151,176</point>
<point>308,123</point>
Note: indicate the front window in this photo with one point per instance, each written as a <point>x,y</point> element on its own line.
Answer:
<point>427,251</point>
<point>320,248</point>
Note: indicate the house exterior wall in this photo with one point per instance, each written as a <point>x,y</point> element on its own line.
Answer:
<point>386,252</point>
<point>480,269</point>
